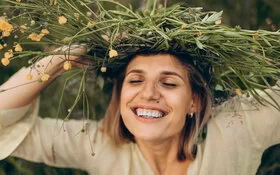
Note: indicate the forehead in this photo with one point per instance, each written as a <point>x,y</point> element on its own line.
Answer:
<point>157,62</point>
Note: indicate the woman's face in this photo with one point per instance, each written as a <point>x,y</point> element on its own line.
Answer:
<point>155,97</point>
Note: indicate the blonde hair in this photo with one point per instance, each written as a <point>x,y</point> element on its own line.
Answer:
<point>114,126</point>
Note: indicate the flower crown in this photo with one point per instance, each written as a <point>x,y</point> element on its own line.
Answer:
<point>238,61</point>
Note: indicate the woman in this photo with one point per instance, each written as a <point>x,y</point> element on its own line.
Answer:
<point>160,103</point>
<point>158,107</point>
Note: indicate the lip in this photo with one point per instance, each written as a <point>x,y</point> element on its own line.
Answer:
<point>133,108</point>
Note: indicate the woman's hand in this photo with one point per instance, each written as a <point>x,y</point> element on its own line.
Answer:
<point>27,83</point>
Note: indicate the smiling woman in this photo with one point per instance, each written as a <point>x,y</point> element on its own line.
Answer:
<point>167,66</point>
<point>158,108</point>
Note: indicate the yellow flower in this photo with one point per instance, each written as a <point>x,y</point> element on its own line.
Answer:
<point>238,91</point>
<point>113,53</point>
<point>32,22</point>
<point>22,28</point>
<point>90,24</point>
<point>18,48</point>
<point>44,76</point>
<point>8,54</point>
<point>35,37</point>
<point>218,22</point>
<point>6,33</point>
<point>199,33</point>
<point>29,77</point>
<point>53,2</point>
<point>67,65</point>
<point>256,36</point>
<point>45,32</point>
<point>184,26</point>
<point>62,20</point>
<point>4,25</point>
<point>18,0</point>
<point>1,46</point>
<point>103,69</point>
<point>5,61</point>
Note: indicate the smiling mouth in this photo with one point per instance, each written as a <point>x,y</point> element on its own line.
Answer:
<point>148,113</point>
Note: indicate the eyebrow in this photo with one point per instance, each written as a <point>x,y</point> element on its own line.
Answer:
<point>135,71</point>
<point>164,73</point>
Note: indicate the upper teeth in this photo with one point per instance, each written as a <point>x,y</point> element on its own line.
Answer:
<point>148,113</point>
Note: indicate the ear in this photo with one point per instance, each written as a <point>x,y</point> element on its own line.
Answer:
<point>195,103</point>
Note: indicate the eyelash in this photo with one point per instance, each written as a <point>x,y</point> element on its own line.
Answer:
<point>169,84</point>
<point>166,84</point>
<point>135,81</point>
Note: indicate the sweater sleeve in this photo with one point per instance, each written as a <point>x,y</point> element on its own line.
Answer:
<point>15,124</point>
<point>60,143</point>
<point>54,142</point>
<point>264,120</point>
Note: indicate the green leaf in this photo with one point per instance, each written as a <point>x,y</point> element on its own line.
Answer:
<point>266,41</point>
<point>198,43</point>
<point>205,18</point>
<point>218,87</point>
<point>213,18</point>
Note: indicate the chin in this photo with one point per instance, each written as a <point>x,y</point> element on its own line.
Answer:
<point>149,138</point>
<point>147,133</point>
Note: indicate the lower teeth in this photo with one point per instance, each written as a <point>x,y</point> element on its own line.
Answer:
<point>146,116</point>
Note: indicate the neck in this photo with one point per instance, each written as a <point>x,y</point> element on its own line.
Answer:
<point>162,155</point>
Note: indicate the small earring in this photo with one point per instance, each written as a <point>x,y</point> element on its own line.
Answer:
<point>191,115</point>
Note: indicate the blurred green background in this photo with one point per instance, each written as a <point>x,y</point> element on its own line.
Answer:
<point>249,14</point>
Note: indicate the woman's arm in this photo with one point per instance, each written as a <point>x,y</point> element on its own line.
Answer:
<point>18,107</point>
<point>242,117</point>
<point>61,143</point>
<point>27,90</point>
<point>265,120</point>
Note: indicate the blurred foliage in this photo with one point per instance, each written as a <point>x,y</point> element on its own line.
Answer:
<point>249,14</point>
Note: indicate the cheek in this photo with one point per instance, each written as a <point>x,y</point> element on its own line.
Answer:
<point>125,97</point>
<point>128,93</point>
<point>180,110</point>
<point>180,102</point>
<point>125,111</point>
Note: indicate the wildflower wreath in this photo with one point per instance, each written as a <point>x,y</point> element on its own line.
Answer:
<point>237,60</point>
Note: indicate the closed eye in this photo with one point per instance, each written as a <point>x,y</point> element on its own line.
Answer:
<point>169,84</point>
<point>135,81</point>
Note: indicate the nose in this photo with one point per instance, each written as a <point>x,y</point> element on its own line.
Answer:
<point>150,91</point>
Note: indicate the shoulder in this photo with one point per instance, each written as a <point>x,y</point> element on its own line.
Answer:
<point>244,117</point>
